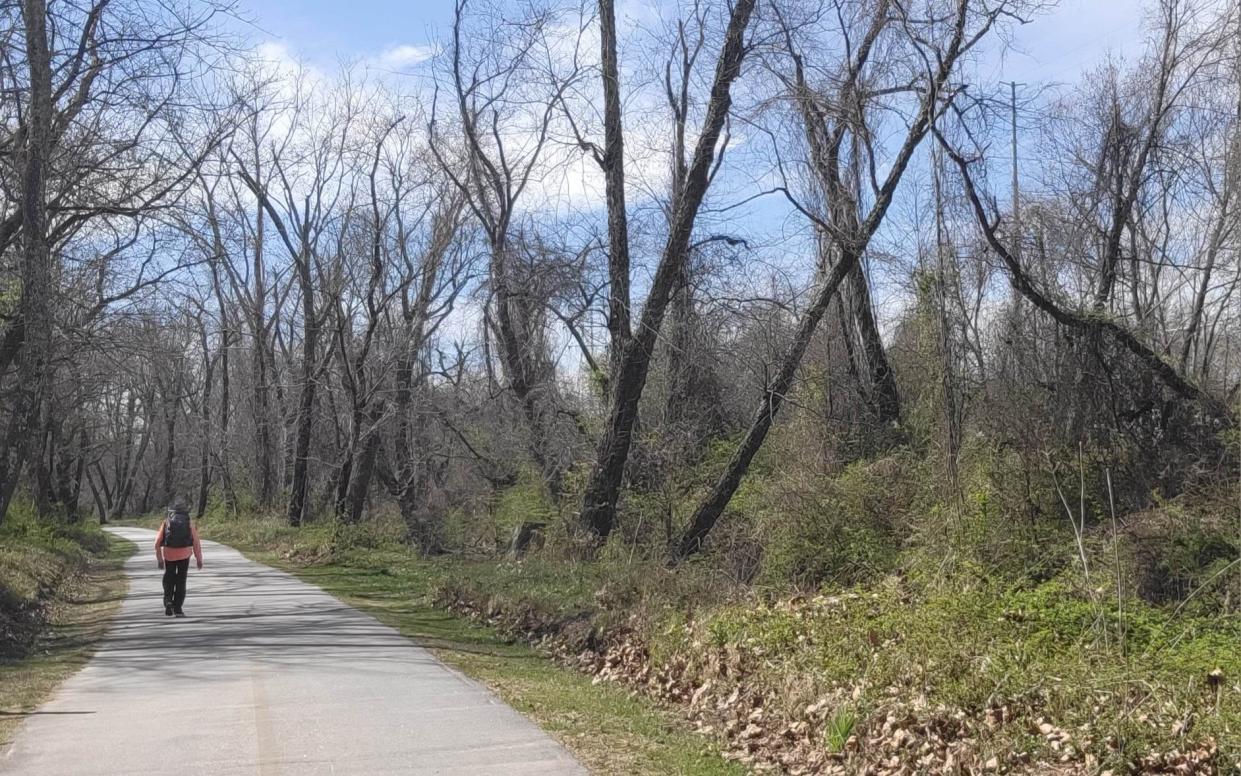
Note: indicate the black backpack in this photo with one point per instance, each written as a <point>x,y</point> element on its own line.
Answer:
<point>177,530</point>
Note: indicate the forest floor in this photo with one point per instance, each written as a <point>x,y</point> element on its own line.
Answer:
<point>57,598</point>
<point>606,726</point>
<point>966,675</point>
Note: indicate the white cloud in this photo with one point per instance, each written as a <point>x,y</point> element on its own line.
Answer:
<point>397,57</point>
<point>276,57</point>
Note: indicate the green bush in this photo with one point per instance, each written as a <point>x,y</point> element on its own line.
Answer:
<point>840,530</point>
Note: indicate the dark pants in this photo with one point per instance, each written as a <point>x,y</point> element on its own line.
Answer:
<point>175,572</point>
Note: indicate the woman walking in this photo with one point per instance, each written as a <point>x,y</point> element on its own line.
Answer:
<point>176,542</point>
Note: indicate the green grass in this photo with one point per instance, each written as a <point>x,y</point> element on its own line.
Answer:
<point>77,593</point>
<point>1049,650</point>
<point>605,727</point>
<point>961,644</point>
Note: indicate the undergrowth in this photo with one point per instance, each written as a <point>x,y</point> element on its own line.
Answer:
<point>36,559</point>
<point>846,604</point>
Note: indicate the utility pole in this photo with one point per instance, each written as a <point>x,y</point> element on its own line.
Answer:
<point>951,404</point>
<point>1016,236</point>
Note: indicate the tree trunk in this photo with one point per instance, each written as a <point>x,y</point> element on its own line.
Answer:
<point>204,458</point>
<point>603,489</point>
<point>44,460</point>
<point>879,383</point>
<point>262,404</point>
<point>34,308</point>
<point>1214,246</point>
<point>125,488</point>
<point>222,456</point>
<point>709,511</point>
<point>73,494</point>
<point>887,401</point>
<point>172,408</point>
<point>344,474</point>
<point>364,469</point>
<point>122,463</point>
<point>306,405</point>
<point>420,528</point>
<point>101,506</point>
<point>613,163</point>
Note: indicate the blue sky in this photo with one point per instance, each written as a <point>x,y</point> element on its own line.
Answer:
<point>1078,34</point>
<point>325,30</point>
<point>1055,47</point>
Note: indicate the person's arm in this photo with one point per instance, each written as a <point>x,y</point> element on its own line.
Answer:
<point>198,548</point>
<point>159,545</point>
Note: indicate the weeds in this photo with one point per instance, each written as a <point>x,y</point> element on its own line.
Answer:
<point>839,729</point>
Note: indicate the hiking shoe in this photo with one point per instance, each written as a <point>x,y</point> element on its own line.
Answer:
<point>167,610</point>
<point>180,614</point>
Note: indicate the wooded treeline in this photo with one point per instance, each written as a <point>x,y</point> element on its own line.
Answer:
<point>604,261</point>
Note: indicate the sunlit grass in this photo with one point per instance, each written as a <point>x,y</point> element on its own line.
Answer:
<point>80,611</point>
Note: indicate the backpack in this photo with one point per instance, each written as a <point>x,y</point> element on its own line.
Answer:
<point>177,530</point>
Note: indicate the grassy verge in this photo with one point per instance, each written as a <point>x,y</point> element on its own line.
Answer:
<point>609,729</point>
<point>58,595</point>
<point>963,671</point>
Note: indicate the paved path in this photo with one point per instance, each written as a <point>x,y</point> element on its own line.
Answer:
<point>267,676</point>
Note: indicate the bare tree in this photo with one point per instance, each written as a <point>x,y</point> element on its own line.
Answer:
<point>100,140</point>
<point>1130,141</point>
<point>504,147</point>
<point>306,184</point>
<point>598,513</point>
<point>939,48</point>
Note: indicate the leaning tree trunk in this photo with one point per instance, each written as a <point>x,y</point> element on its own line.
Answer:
<point>603,488</point>
<point>709,511</point>
<point>1090,323</point>
<point>101,504</point>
